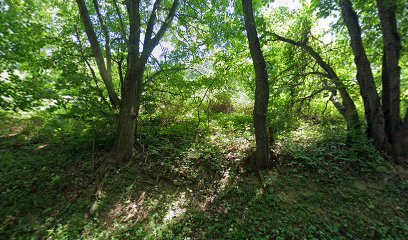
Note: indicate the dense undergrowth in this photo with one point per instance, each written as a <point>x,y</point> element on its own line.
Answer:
<point>190,182</point>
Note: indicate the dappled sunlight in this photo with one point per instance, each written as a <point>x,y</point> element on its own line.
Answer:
<point>130,210</point>
<point>174,119</point>
<point>176,208</point>
<point>224,180</point>
<point>218,186</point>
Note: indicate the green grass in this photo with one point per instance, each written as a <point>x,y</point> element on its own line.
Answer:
<point>191,183</point>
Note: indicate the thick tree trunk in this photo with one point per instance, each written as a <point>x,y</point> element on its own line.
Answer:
<point>391,79</point>
<point>133,83</point>
<point>128,115</point>
<point>400,142</point>
<point>372,105</point>
<point>126,126</point>
<point>391,71</point>
<point>262,88</point>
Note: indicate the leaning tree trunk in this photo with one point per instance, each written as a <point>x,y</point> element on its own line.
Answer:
<point>372,104</point>
<point>347,108</point>
<point>262,88</point>
<point>105,72</point>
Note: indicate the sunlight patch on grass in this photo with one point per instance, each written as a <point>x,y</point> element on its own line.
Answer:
<point>131,210</point>
<point>177,208</point>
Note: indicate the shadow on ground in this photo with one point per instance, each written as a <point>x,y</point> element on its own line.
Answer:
<point>181,186</point>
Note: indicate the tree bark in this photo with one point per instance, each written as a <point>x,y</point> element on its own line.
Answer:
<point>262,88</point>
<point>391,80</point>
<point>391,71</point>
<point>129,113</point>
<point>105,31</point>
<point>400,142</point>
<point>372,104</point>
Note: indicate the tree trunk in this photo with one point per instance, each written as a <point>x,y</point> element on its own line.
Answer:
<point>372,105</point>
<point>350,114</point>
<point>400,142</point>
<point>391,70</point>
<point>391,80</point>
<point>262,88</point>
<point>126,126</point>
<point>128,115</point>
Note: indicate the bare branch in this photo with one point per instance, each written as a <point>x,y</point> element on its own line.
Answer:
<point>151,22</point>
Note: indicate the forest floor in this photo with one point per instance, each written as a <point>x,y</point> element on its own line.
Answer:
<point>185,182</point>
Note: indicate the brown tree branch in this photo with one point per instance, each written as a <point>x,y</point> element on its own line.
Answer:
<point>93,40</point>
<point>151,23</point>
<point>348,108</point>
<point>134,36</point>
<point>88,64</point>
<point>107,38</point>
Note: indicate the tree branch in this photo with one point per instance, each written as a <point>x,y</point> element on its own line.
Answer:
<point>151,44</point>
<point>94,77</point>
<point>107,38</point>
<point>151,22</point>
<point>134,35</point>
<point>122,25</point>
<point>347,108</point>
<point>155,74</point>
<point>93,40</point>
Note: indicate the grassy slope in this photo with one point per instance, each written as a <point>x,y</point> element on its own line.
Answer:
<point>186,183</point>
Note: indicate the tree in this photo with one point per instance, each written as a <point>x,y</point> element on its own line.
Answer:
<point>384,124</point>
<point>347,108</point>
<point>262,88</point>
<point>137,57</point>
